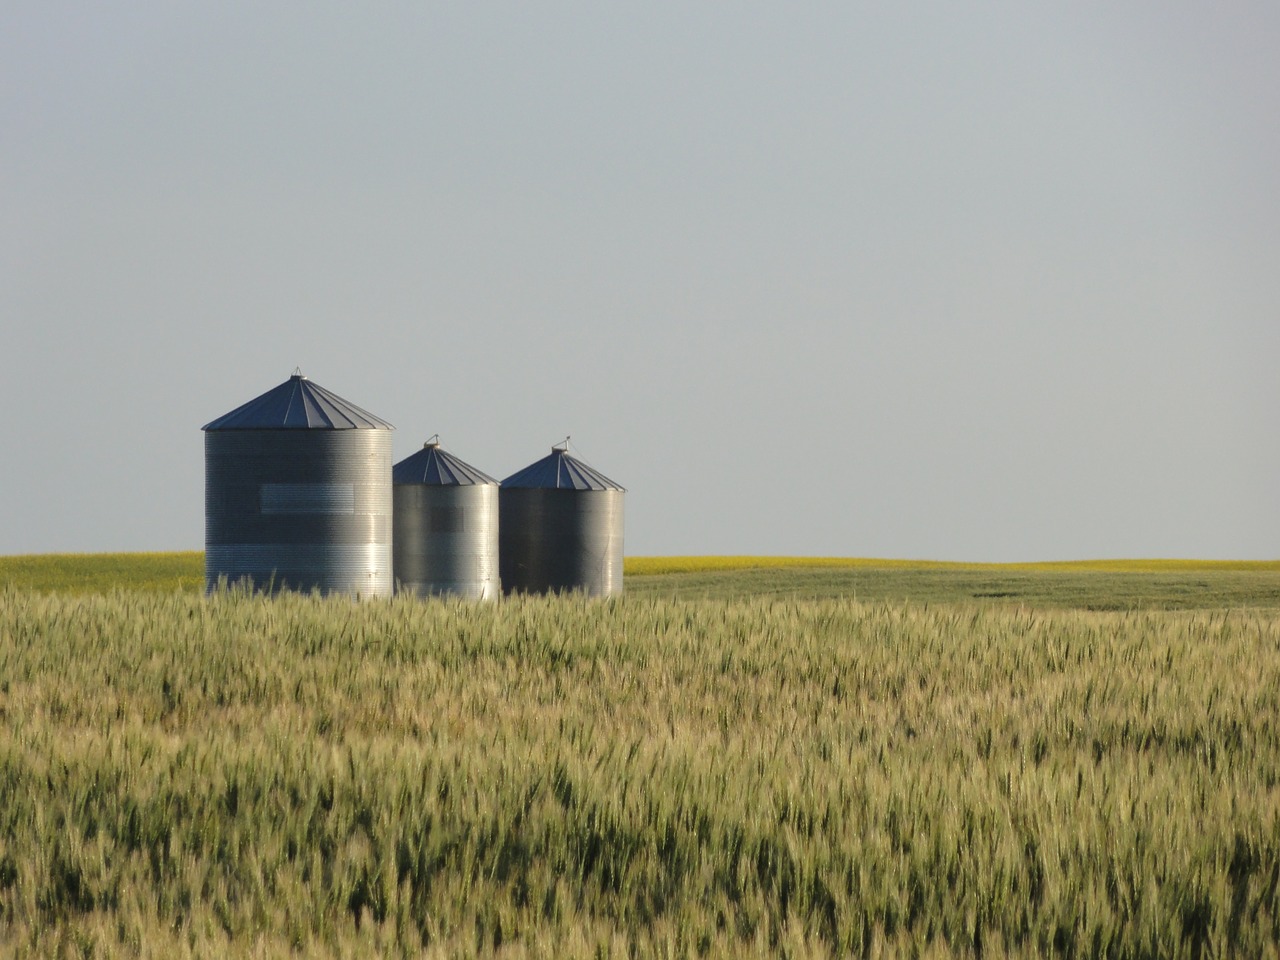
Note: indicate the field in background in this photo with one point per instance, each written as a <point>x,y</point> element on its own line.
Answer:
<point>103,572</point>
<point>1104,584</point>
<point>1136,585</point>
<point>647,777</point>
<point>644,566</point>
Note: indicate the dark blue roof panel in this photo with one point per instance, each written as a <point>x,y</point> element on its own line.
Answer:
<point>436,468</point>
<point>298,404</point>
<point>560,471</point>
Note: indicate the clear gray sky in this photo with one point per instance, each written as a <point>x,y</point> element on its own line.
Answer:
<point>980,281</point>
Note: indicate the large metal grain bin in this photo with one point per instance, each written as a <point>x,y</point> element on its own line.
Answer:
<point>446,526</point>
<point>560,528</point>
<point>298,494</point>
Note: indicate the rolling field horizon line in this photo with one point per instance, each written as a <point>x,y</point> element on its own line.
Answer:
<point>644,565</point>
<point>184,571</point>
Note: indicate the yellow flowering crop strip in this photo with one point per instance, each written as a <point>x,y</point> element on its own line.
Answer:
<point>101,572</point>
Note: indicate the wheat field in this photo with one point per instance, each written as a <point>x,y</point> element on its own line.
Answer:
<point>641,777</point>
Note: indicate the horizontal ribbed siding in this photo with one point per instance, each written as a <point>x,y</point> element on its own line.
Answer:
<point>446,540</point>
<point>308,498</point>
<point>304,509</point>
<point>463,589</point>
<point>331,568</point>
<point>554,541</point>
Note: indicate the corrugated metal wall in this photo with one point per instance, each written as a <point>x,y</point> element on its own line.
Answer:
<point>299,509</point>
<point>446,540</point>
<point>555,540</point>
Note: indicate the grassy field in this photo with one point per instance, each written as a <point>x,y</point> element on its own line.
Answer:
<point>101,572</point>
<point>1135,586</point>
<point>1102,585</point>
<point>678,772</point>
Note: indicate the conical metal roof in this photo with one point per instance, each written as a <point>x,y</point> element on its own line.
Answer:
<point>298,404</point>
<point>560,471</point>
<point>434,467</point>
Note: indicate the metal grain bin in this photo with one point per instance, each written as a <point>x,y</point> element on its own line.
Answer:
<point>446,526</point>
<point>297,494</point>
<point>560,528</point>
